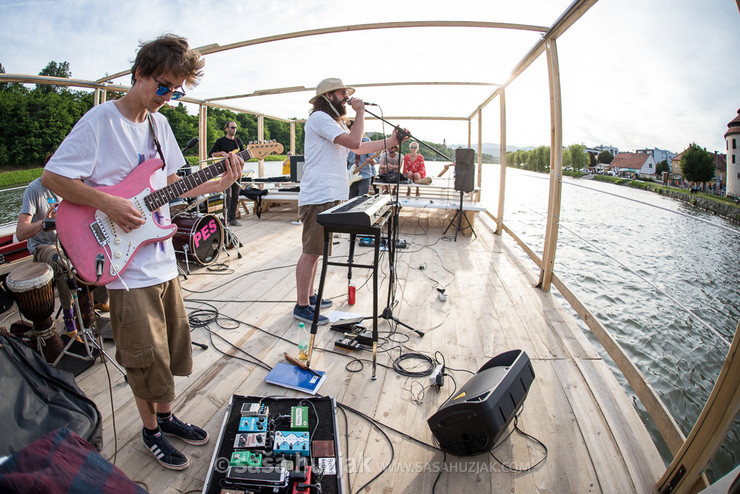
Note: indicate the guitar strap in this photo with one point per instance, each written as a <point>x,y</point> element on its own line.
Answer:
<point>156,141</point>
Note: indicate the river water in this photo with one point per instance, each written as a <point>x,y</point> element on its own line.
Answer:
<point>661,276</point>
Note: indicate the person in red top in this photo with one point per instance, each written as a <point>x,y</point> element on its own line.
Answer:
<point>413,166</point>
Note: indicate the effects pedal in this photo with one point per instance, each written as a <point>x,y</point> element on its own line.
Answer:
<point>297,485</point>
<point>245,459</point>
<point>255,410</point>
<point>248,440</point>
<point>348,344</point>
<point>253,424</point>
<point>291,443</point>
<point>299,418</point>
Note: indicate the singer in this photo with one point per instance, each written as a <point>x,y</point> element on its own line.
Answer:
<point>324,183</point>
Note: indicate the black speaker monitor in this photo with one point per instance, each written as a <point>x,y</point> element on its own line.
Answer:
<point>296,168</point>
<point>464,170</point>
<point>473,420</point>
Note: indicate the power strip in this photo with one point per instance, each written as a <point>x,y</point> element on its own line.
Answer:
<point>437,378</point>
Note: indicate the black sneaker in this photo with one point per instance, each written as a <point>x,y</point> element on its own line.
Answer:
<point>325,302</point>
<point>164,452</point>
<point>191,434</point>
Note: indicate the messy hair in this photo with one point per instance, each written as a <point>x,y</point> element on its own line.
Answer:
<point>169,53</point>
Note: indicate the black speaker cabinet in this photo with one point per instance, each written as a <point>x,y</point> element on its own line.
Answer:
<point>472,421</point>
<point>296,168</point>
<point>464,170</point>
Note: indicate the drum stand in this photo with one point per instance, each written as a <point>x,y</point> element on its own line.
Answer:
<point>230,237</point>
<point>86,336</point>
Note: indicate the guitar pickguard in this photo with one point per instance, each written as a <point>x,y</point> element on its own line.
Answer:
<point>122,245</point>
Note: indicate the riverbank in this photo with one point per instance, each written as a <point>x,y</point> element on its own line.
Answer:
<point>720,206</point>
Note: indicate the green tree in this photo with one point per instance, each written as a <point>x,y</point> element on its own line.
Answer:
<point>661,167</point>
<point>697,165</point>
<point>578,156</point>
<point>606,157</point>
<point>54,69</point>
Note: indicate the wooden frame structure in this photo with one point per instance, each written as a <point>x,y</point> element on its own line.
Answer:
<point>692,454</point>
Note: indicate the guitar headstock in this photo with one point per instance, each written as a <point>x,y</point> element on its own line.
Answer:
<point>261,149</point>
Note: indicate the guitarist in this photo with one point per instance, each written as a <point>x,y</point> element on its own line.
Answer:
<point>148,317</point>
<point>221,148</point>
<point>367,171</point>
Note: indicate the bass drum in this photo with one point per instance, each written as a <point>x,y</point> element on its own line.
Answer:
<point>199,237</point>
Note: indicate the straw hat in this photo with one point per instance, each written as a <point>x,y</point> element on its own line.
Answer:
<point>329,85</point>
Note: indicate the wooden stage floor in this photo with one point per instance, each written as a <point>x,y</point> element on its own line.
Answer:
<point>594,437</point>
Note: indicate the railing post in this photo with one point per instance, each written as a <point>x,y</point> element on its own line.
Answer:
<point>502,161</point>
<point>556,158</point>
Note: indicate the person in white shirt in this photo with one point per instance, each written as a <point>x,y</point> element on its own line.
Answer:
<point>324,183</point>
<point>148,318</point>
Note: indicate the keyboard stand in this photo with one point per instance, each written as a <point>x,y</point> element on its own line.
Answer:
<point>329,230</point>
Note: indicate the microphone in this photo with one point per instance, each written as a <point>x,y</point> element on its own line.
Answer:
<point>367,103</point>
<point>192,142</point>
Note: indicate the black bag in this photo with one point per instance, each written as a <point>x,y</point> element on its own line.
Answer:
<point>39,398</point>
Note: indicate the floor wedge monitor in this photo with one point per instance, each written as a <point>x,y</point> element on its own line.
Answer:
<point>471,421</point>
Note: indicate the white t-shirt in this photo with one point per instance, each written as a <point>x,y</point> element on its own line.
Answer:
<point>102,149</point>
<point>325,163</point>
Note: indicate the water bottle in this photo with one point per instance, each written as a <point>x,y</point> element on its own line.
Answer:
<point>302,342</point>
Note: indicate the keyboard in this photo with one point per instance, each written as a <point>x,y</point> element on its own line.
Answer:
<point>360,211</point>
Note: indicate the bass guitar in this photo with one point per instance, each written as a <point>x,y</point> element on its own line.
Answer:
<point>99,249</point>
<point>354,172</point>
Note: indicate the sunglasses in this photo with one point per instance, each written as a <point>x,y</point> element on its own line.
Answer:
<point>162,90</point>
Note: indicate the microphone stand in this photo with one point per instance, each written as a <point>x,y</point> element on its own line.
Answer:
<point>393,233</point>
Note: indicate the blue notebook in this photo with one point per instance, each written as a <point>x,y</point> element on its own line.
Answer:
<point>290,376</point>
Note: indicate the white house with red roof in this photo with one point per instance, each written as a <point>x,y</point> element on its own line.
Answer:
<point>628,164</point>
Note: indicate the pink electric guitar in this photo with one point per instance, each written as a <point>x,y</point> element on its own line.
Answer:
<point>99,249</point>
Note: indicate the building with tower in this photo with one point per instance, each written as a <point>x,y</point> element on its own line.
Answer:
<point>732,136</point>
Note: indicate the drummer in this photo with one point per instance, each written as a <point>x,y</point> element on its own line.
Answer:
<point>40,203</point>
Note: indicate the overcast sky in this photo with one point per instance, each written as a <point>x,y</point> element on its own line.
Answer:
<point>634,73</point>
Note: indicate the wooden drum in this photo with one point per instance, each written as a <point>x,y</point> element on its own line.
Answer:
<point>31,287</point>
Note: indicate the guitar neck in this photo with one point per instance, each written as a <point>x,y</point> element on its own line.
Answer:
<point>162,196</point>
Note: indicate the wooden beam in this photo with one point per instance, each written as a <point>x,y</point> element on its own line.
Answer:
<point>216,48</point>
<point>556,158</point>
<point>300,89</point>
<point>561,25</point>
<point>261,137</point>
<point>502,161</point>
<point>480,154</point>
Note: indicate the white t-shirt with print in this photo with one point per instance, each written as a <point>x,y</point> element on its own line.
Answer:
<point>102,149</point>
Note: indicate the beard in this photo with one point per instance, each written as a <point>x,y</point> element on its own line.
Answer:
<point>337,104</point>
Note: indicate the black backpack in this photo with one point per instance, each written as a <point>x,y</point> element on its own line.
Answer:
<point>39,398</point>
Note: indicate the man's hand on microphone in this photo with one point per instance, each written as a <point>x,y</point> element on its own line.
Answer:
<point>357,104</point>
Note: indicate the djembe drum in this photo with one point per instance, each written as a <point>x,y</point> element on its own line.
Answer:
<point>31,287</point>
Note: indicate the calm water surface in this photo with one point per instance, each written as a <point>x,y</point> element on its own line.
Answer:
<point>622,252</point>
<point>657,274</point>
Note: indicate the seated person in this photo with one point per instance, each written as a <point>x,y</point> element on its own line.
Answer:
<point>40,203</point>
<point>388,166</point>
<point>413,166</point>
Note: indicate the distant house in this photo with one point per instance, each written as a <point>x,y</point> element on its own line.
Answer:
<point>658,154</point>
<point>634,164</point>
